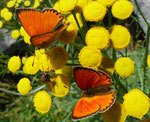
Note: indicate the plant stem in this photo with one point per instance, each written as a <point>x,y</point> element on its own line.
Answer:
<point>145,56</point>
<point>84,23</point>
<point>114,54</point>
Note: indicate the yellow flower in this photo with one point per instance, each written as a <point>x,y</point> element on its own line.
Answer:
<point>4,11</point>
<point>107,2</point>
<point>15,34</point>
<point>60,85</point>
<point>124,66</point>
<point>148,60</point>
<point>90,57</point>
<point>8,16</point>
<point>1,24</point>
<point>81,4</point>
<point>66,71</point>
<point>94,11</point>
<point>31,65</point>
<point>22,31</point>
<point>67,5</point>
<point>27,39</point>
<point>14,64</point>
<point>27,3</point>
<point>42,102</point>
<point>107,65</point>
<point>97,37</point>
<point>24,86</point>
<point>17,5</point>
<point>11,4</point>
<point>68,35</point>
<point>44,63</point>
<point>23,60</point>
<point>146,120</point>
<point>136,103</point>
<point>116,113</point>
<point>36,4</point>
<point>71,19</point>
<point>58,57</point>
<point>39,52</point>
<point>119,37</point>
<point>122,9</point>
<point>19,1</point>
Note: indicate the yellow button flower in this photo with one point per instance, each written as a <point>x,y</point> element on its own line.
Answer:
<point>19,1</point>
<point>119,37</point>
<point>4,11</point>
<point>1,24</point>
<point>116,113</point>
<point>42,102</point>
<point>17,5</point>
<point>107,2</point>
<point>22,31</point>
<point>107,65</point>
<point>90,57</point>
<point>148,60</point>
<point>8,16</point>
<point>124,66</point>
<point>24,86</point>
<point>39,52</point>
<point>36,4</point>
<point>67,5</point>
<point>11,4</point>
<point>71,19</point>
<point>68,35</point>
<point>27,39</point>
<point>94,11</point>
<point>66,71</point>
<point>122,9</point>
<point>27,3</point>
<point>58,57</point>
<point>136,103</point>
<point>23,60</point>
<point>15,34</point>
<point>60,85</point>
<point>14,63</point>
<point>31,65</point>
<point>97,37</point>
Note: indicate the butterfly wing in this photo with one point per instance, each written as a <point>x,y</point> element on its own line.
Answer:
<point>89,78</point>
<point>36,22</point>
<point>84,107</point>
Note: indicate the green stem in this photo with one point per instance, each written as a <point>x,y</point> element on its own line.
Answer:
<point>126,52</point>
<point>84,23</point>
<point>137,5</point>
<point>80,30</point>
<point>145,56</point>
<point>114,54</point>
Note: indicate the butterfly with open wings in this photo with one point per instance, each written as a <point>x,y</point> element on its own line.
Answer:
<point>43,27</point>
<point>98,94</point>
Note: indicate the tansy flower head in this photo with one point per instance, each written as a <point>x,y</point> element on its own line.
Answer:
<point>27,3</point>
<point>67,5</point>
<point>17,5</point>
<point>15,34</point>
<point>124,66</point>
<point>22,31</point>
<point>31,65</point>
<point>94,11</point>
<point>11,4</point>
<point>66,71</point>
<point>27,39</point>
<point>122,9</point>
<point>23,60</point>
<point>14,64</point>
<point>136,103</point>
<point>107,2</point>
<point>68,35</point>
<point>4,11</point>
<point>1,24</point>
<point>116,113</point>
<point>19,1</point>
<point>60,85</point>
<point>107,65</point>
<point>8,16</point>
<point>39,52</point>
<point>71,19</point>
<point>36,4</point>
<point>24,86</point>
<point>90,57</point>
<point>58,57</point>
<point>148,60</point>
<point>42,102</point>
<point>97,37</point>
<point>119,37</point>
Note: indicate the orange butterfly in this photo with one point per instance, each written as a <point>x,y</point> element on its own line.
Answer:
<point>43,27</point>
<point>98,94</point>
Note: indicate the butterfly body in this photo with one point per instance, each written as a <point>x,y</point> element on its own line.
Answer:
<point>98,94</point>
<point>42,26</point>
